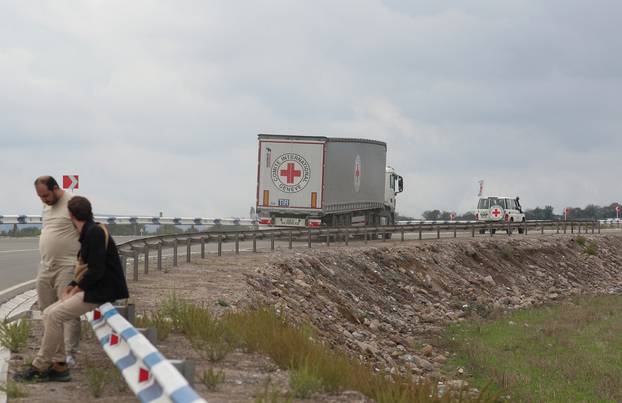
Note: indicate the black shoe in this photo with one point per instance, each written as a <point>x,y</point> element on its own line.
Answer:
<point>32,374</point>
<point>59,372</point>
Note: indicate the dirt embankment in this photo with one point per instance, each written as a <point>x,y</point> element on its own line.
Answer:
<point>385,303</point>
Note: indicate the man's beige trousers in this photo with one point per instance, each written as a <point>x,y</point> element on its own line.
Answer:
<point>50,285</point>
<point>54,316</point>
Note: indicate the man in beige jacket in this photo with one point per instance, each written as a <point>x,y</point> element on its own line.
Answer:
<point>59,247</point>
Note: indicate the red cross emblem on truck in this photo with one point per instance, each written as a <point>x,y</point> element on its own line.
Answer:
<point>496,212</point>
<point>291,172</point>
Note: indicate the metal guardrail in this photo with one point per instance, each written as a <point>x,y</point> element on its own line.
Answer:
<point>36,219</point>
<point>143,248</point>
<point>149,375</point>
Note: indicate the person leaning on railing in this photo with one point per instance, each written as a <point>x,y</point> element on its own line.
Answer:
<point>99,278</point>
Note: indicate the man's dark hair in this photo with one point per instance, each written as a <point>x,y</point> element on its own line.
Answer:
<point>48,181</point>
<point>80,208</point>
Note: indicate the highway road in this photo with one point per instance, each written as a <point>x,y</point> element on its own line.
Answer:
<point>19,257</point>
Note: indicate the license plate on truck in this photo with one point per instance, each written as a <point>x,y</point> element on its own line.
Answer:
<point>289,221</point>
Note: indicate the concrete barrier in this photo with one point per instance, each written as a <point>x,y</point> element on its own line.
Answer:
<point>147,372</point>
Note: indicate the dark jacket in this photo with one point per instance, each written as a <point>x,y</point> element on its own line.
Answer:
<point>104,280</point>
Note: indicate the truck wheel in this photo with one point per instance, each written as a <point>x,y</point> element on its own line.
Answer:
<point>387,235</point>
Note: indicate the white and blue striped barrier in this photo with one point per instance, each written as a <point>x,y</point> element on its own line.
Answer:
<point>149,375</point>
<point>36,219</point>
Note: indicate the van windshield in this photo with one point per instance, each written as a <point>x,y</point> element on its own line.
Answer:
<point>495,201</point>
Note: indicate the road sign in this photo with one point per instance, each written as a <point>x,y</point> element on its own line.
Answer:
<point>71,182</point>
<point>452,216</point>
<point>566,212</point>
<point>618,211</point>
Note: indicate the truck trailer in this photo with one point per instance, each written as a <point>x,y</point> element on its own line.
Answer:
<point>310,181</point>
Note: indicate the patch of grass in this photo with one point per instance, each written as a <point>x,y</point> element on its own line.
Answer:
<point>580,240</point>
<point>96,379</point>
<point>546,354</point>
<point>270,394</point>
<point>304,381</point>
<point>13,390</point>
<point>158,320</point>
<point>118,381</point>
<point>592,248</point>
<point>14,335</point>
<point>211,379</point>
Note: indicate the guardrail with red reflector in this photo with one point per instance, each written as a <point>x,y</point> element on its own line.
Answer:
<point>147,372</point>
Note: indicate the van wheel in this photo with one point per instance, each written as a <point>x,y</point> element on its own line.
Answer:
<point>521,230</point>
<point>482,231</point>
<point>493,231</point>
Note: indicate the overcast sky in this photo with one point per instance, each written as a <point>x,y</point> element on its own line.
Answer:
<point>157,104</point>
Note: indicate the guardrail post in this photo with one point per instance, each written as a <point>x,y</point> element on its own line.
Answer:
<point>146,258</point>
<point>124,264</point>
<point>291,239</point>
<point>384,235</point>
<point>347,237</point>
<point>135,265</point>
<point>598,227</point>
<point>542,229</point>
<point>571,227</point>
<point>219,244</point>
<point>509,228</point>
<point>490,229</point>
<point>402,234</point>
<point>160,256</point>
<point>420,231</point>
<point>254,241</point>
<point>309,239</point>
<point>473,230</point>
<point>455,230</point>
<point>175,252</point>
<point>557,226</point>
<point>438,232</point>
<point>525,227</point>
<point>592,228</point>
<point>327,237</point>
<point>202,247</point>
<point>272,241</point>
<point>564,227</point>
<point>365,233</point>
<point>237,243</point>
<point>188,249</point>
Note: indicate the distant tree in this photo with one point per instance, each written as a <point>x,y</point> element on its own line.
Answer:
<point>431,215</point>
<point>399,217</point>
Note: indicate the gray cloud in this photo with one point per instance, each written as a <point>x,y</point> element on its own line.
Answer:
<point>157,104</point>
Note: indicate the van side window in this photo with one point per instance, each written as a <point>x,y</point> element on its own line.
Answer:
<point>483,204</point>
<point>511,204</point>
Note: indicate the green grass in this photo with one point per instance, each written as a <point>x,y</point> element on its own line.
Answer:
<point>313,367</point>
<point>13,390</point>
<point>14,335</point>
<point>567,352</point>
<point>211,379</point>
<point>96,379</point>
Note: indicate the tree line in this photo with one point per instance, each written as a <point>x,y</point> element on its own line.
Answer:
<point>591,212</point>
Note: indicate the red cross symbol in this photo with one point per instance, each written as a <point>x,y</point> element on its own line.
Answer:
<point>290,172</point>
<point>496,212</point>
<point>143,375</point>
<point>357,172</point>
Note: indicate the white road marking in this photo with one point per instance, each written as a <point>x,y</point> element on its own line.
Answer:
<point>18,250</point>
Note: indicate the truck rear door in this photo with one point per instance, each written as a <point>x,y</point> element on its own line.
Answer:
<point>290,174</point>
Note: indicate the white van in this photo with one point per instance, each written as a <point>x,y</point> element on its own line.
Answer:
<point>500,209</point>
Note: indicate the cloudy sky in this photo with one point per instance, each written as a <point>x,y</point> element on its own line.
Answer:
<point>157,104</point>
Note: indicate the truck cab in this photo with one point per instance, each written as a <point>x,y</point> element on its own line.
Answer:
<point>394,184</point>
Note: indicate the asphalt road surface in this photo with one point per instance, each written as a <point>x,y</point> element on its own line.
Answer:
<point>19,259</point>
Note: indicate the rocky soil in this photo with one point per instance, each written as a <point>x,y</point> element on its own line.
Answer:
<point>386,303</point>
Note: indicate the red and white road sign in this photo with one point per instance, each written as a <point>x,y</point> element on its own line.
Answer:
<point>71,182</point>
<point>618,211</point>
<point>452,216</point>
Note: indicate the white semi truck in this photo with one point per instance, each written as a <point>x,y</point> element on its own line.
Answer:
<point>308,181</point>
